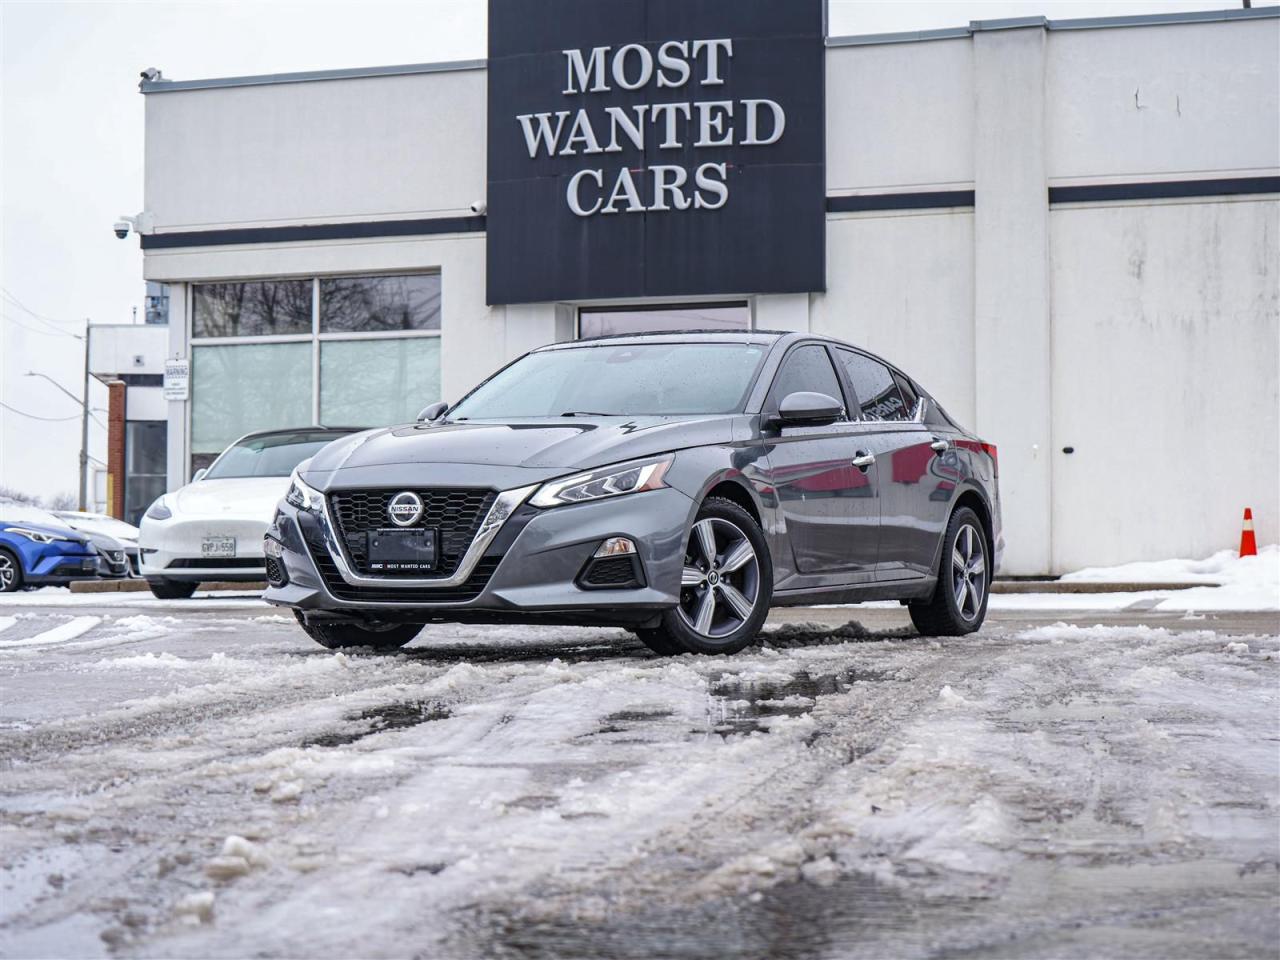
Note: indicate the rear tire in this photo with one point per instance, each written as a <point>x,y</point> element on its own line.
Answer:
<point>10,572</point>
<point>725,589</point>
<point>959,602</point>
<point>339,636</point>
<point>172,589</point>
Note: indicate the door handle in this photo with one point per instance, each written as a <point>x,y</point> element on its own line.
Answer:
<point>940,446</point>
<point>863,460</point>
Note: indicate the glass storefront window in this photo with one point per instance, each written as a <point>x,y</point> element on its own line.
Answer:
<point>251,309</point>
<point>719,316</point>
<point>144,465</point>
<point>368,383</point>
<point>239,388</point>
<point>362,304</point>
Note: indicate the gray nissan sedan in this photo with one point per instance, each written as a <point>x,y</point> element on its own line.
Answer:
<point>673,484</point>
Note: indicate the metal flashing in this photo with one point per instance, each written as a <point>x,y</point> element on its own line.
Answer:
<point>1084,23</point>
<point>308,76</point>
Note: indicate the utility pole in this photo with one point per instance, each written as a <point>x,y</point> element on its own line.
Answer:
<point>84,427</point>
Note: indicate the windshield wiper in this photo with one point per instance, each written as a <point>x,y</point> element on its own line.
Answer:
<point>588,413</point>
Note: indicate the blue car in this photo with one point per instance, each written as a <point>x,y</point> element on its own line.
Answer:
<point>34,554</point>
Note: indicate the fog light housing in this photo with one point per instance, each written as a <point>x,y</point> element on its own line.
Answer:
<point>272,548</point>
<point>614,566</point>
<point>277,575</point>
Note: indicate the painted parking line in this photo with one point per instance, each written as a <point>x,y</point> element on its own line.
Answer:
<point>75,627</point>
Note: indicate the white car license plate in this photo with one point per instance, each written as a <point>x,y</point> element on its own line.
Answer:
<point>218,547</point>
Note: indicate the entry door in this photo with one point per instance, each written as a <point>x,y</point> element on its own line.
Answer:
<point>829,505</point>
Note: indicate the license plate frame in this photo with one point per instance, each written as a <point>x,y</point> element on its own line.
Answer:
<point>218,548</point>
<point>392,551</point>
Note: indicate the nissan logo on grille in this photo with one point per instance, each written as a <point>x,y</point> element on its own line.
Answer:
<point>405,509</point>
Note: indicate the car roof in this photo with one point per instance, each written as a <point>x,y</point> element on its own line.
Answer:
<point>314,428</point>
<point>674,336</point>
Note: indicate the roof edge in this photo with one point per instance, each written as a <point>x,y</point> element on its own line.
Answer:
<point>308,76</point>
<point>1083,23</point>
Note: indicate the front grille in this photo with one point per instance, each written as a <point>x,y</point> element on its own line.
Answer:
<point>342,590</point>
<point>215,563</point>
<point>455,515</point>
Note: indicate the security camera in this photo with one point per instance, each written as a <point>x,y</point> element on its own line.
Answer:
<point>121,228</point>
<point>479,207</point>
<point>152,74</point>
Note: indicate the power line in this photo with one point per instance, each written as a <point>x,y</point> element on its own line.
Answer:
<point>48,321</point>
<point>74,416</point>
<point>43,333</point>
<point>23,413</point>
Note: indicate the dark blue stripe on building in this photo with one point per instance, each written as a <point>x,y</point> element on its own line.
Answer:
<point>316,231</point>
<point>924,200</point>
<point>1165,190</point>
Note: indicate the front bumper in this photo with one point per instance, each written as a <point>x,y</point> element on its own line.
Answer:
<point>171,549</point>
<point>55,566</point>
<point>527,573</point>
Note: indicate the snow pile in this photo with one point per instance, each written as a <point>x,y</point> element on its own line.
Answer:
<point>1230,582</point>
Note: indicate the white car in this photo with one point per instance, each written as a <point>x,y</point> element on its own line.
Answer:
<point>212,528</point>
<point>101,525</point>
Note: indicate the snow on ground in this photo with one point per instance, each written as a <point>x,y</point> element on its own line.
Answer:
<point>1242,583</point>
<point>218,786</point>
<point>62,597</point>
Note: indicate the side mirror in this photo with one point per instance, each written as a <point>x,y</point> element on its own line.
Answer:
<point>809,408</point>
<point>198,474</point>
<point>434,412</point>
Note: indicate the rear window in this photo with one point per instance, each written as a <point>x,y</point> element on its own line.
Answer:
<point>879,396</point>
<point>273,456</point>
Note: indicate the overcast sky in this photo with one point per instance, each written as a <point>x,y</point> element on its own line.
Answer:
<point>71,160</point>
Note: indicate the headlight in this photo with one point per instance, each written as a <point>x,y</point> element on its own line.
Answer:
<point>301,496</point>
<point>159,510</point>
<point>606,482</point>
<point>35,535</point>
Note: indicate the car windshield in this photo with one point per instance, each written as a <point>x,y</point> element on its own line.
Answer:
<point>273,456</point>
<point>649,379</point>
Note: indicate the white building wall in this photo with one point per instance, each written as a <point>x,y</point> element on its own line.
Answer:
<point>1164,101</point>
<point>1166,378</point>
<point>328,151</point>
<point>899,116</point>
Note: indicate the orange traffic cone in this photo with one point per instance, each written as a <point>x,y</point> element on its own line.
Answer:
<point>1248,545</point>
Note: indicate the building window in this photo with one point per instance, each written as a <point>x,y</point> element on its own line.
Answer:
<point>258,309</point>
<point>363,304</point>
<point>366,383</point>
<point>606,321</point>
<point>246,387</point>
<point>345,351</point>
<point>144,459</point>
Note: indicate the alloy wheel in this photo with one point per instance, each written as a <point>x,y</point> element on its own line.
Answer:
<point>720,583</point>
<point>7,572</point>
<point>969,571</point>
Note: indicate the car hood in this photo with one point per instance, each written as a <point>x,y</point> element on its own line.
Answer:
<point>252,498</point>
<point>543,446</point>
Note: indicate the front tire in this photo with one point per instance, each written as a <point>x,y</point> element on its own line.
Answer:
<point>172,589</point>
<point>337,635</point>
<point>726,585</point>
<point>959,602</point>
<point>10,572</point>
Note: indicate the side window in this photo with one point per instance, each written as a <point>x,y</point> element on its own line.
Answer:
<point>806,368</point>
<point>877,391</point>
<point>935,416</point>
<point>909,395</point>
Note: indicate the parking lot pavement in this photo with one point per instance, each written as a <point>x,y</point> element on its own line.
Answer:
<point>196,778</point>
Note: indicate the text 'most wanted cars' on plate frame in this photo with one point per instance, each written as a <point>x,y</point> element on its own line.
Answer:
<point>627,140</point>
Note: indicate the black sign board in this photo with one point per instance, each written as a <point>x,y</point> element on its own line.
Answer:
<point>642,148</point>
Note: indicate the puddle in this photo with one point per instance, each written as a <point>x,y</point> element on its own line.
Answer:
<point>810,634</point>
<point>390,716</point>
<point>749,704</point>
